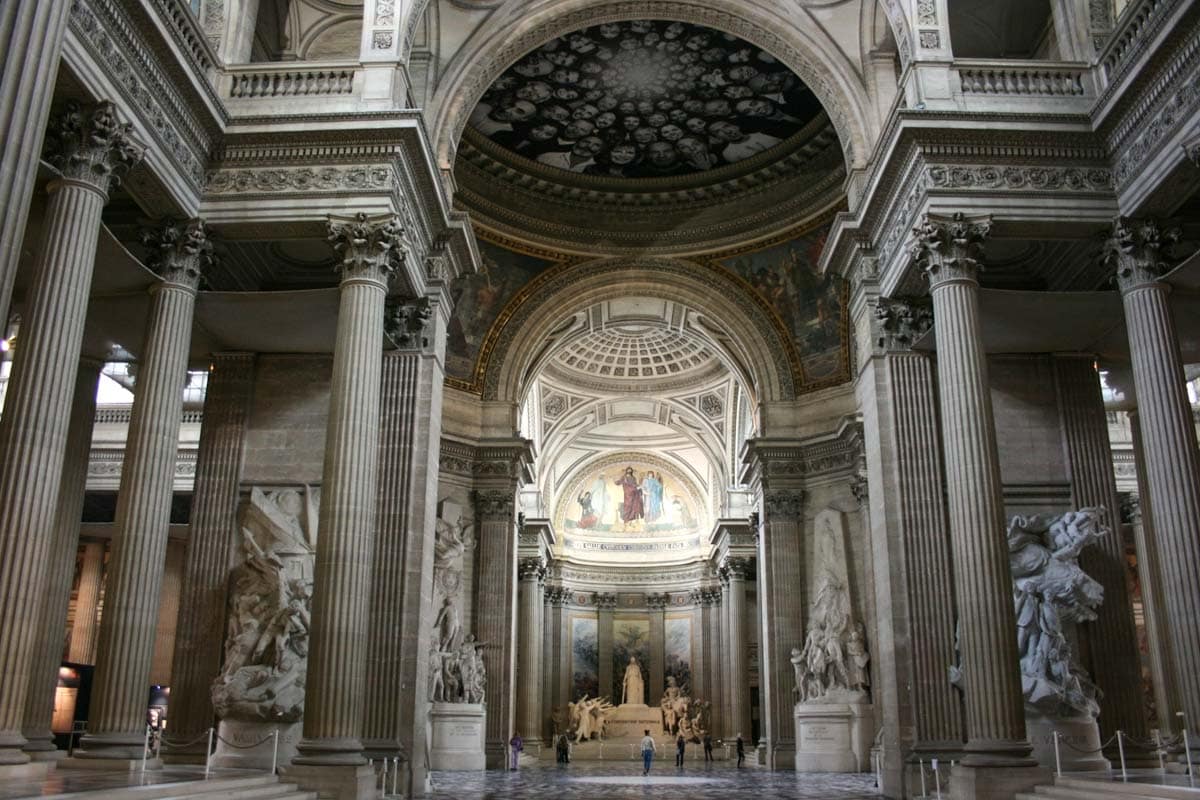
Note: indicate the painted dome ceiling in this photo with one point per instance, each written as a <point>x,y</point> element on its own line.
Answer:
<point>644,99</point>
<point>640,355</point>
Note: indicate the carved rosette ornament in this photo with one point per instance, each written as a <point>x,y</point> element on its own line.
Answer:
<point>89,144</point>
<point>901,321</point>
<point>370,248</point>
<point>783,503</point>
<point>494,504</point>
<point>950,249</point>
<point>406,322</point>
<point>179,251</point>
<point>1138,251</point>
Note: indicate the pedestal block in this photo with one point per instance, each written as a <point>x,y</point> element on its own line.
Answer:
<point>629,723</point>
<point>994,783</point>
<point>1078,743</point>
<point>249,745</point>
<point>833,737</point>
<point>333,781</point>
<point>458,736</point>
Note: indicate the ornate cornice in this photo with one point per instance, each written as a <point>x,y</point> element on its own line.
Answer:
<point>89,144</point>
<point>1138,251</point>
<point>301,180</point>
<point>179,251</point>
<point>950,249</point>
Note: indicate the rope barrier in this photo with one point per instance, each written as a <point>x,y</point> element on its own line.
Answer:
<point>236,746</point>
<point>188,743</point>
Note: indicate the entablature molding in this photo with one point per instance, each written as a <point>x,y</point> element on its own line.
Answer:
<point>770,465</point>
<point>491,461</point>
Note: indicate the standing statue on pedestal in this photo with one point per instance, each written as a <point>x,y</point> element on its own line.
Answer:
<point>634,686</point>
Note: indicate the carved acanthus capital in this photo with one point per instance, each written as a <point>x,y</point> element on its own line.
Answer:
<point>736,567</point>
<point>370,247</point>
<point>558,595</point>
<point>494,505</point>
<point>1131,509</point>
<point>783,504</point>
<point>1192,151</point>
<point>531,569</point>
<point>901,321</point>
<point>658,602</point>
<point>406,322</point>
<point>860,489</point>
<point>89,144</point>
<point>179,251</point>
<point>950,249</point>
<point>604,600</point>
<point>1137,250</point>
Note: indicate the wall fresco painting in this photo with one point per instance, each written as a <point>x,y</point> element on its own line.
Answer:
<point>678,632</point>
<point>585,657</point>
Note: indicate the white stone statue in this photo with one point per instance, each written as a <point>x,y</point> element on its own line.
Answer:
<point>589,717</point>
<point>633,686</point>
<point>1052,594</point>
<point>451,543</point>
<point>458,675</point>
<point>446,626</point>
<point>668,704</point>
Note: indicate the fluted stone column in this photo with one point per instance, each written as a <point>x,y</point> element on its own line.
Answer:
<point>948,251</point>
<point>728,683</point>
<point>658,647</point>
<point>1158,643</point>
<point>737,570</point>
<point>211,549</point>
<point>605,605</point>
<point>167,621</point>
<point>566,680</point>
<point>92,149</point>
<point>402,580</point>
<point>31,36</point>
<point>1168,434</point>
<point>531,573</point>
<point>87,600</point>
<point>701,682</point>
<point>712,654</point>
<point>39,702</point>
<point>782,608</point>
<point>1112,638</point>
<point>551,642</point>
<point>369,250</point>
<point>495,613</point>
<point>117,716</point>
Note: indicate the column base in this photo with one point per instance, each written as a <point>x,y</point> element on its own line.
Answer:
<point>46,755</point>
<point>994,783</point>
<point>333,782</point>
<point>330,752</point>
<point>921,758</point>
<point>112,747</point>
<point>495,755</point>
<point>29,771</point>
<point>108,764</point>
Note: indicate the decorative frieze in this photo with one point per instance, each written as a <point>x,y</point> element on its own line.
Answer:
<point>1137,250</point>
<point>304,180</point>
<point>1018,178</point>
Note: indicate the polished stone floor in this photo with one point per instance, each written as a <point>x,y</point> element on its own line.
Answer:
<point>606,780</point>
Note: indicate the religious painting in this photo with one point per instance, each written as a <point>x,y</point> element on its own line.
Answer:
<point>678,633</point>
<point>631,638</point>
<point>632,497</point>
<point>644,98</point>
<point>811,306</point>
<point>585,657</point>
<point>479,299</point>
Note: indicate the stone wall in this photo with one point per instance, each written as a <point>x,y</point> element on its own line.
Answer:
<point>285,439</point>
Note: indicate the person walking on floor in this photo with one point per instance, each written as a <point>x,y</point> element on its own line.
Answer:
<point>708,755</point>
<point>517,744</point>
<point>649,748</point>
<point>741,750</point>
<point>680,744</point>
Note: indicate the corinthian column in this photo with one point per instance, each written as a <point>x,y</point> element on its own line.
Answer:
<point>370,251</point>
<point>87,602</point>
<point>531,572</point>
<point>117,718</point>
<point>1136,251</point>
<point>92,149</point>
<point>495,613</point>
<point>31,35</point>
<point>39,703</point>
<point>735,571</point>
<point>949,252</point>
<point>210,551</point>
<point>1112,638</point>
<point>657,604</point>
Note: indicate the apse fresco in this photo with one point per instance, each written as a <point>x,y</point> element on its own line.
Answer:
<point>585,658</point>
<point>632,498</point>
<point>644,98</point>
<point>678,633</point>
<point>479,299</point>
<point>810,306</point>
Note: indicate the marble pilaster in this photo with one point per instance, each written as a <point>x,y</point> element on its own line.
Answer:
<point>737,571</point>
<point>92,149</point>
<point>728,682</point>
<point>658,646</point>
<point>701,682</point>
<point>1137,252</point>
<point>1112,638</point>
<point>117,716</point>
<point>531,573</point>
<point>39,702</point>
<point>369,249</point>
<point>948,250</point>
<point>31,36</point>
<point>551,642</point>
<point>712,653</point>
<point>212,545</point>
<point>87,600</point>
<point>605,606</point>
<point>409,449</point>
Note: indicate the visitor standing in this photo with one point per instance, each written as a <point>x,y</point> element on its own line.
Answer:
<point>680,744</point>
<point>518,745</point>
<point>741,750</point>
<point>708,754</point>
<point>649,748</point>
<point>564,749</point>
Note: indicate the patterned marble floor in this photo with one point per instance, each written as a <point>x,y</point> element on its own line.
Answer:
<point>623,779</point>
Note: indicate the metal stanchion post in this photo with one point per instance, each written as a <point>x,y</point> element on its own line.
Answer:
<point>145,749</point>
<point>396,776</point>
<point>937,780</point>
<point>921,769</point>
<point>1158,746</point>
<point>1057,757</point>
<point>1187,747</point>
<point>208,754</point>
<point>275,753</point>
<point>1121,750</point>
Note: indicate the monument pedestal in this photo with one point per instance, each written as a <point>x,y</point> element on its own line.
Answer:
<point>333,781</point>
<point>993,783</point>
<point>1074,736</point>
<point>251,745</point>
<point>833,737</point>
<point>629,723</point>
<point>457,736</point>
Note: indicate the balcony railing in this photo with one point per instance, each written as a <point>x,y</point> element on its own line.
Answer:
<point>1022,78</point>
<point>290,80</point>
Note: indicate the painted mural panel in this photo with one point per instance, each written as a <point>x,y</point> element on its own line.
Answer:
<point>812,307</point>
<point>632,497</point>
<point>479,299</point>
<point>679,651</point>
<point>631,637</point>
<point>585,657</point>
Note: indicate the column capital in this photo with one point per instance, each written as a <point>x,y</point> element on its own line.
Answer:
<point>950,248</point>
<point>657,601</point>
<point>406,322</point>
<point>89,144</point>
<point>532,568</point>
<point>605,601</point>
<point>494,504</point>
<point>783,503</point>
<point>1137,251</point>
<point>179,251</point>
<point>736,567</point>
<point>371,248</point>
<point>901,321</point>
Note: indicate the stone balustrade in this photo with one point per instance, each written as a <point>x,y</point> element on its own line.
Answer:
<point>291,80</point>
<point>1022,78</point>
<point>1137,22</point>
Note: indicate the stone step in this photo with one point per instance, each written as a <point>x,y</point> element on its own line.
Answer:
<point>211,789</point>
<point>1066,788</point>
